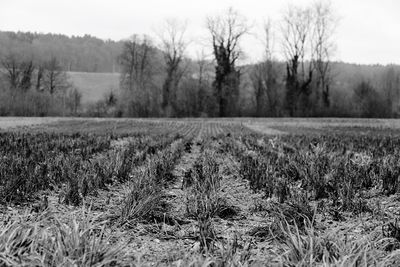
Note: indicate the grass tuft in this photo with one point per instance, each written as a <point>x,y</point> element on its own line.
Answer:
<point>47,241</point>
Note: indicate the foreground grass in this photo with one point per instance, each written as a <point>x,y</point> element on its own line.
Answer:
<point>78,240</point>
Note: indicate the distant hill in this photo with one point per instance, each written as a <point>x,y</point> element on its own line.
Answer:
<point>94,86</point>
<point>76,53</point>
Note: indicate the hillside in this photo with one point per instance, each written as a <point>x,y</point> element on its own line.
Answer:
<point>75,53</point>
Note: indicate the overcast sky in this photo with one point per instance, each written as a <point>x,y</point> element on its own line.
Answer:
<point>368,30</point>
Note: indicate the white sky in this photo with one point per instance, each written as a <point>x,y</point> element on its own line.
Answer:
<point>368,32</point>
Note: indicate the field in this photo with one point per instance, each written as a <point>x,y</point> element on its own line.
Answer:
<point>215,192</point>
<point>94,86</point>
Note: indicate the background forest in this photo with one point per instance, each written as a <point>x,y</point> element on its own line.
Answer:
<point>143,76</point>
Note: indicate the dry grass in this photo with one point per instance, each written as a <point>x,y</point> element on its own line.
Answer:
<point>335,248</point>
<point>77,240</point>
<point>313,202</point>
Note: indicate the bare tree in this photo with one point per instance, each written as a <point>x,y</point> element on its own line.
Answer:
<point>172,37</point>
<point>73,100</point>
<point>18,73</point>
<point>226,32</point>
<point>202,64</point>
<point>54,77</point>
<point>204,91</point>
<point>39,78</point>
<point>325,24</point>
<point>391,89</point>
<point>308,46</point>
<point>27,71</point>
<point>137,73</point>
<point>297,29</point>
<point>264,77</point>
<point>12,71</point>
<point>135,61</point>
<point>257,77</point>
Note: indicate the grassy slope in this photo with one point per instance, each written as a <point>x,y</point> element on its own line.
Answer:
<point>94,86</point>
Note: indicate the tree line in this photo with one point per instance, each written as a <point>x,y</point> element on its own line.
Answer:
<point>158,79</point>
<point>33,89</point>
